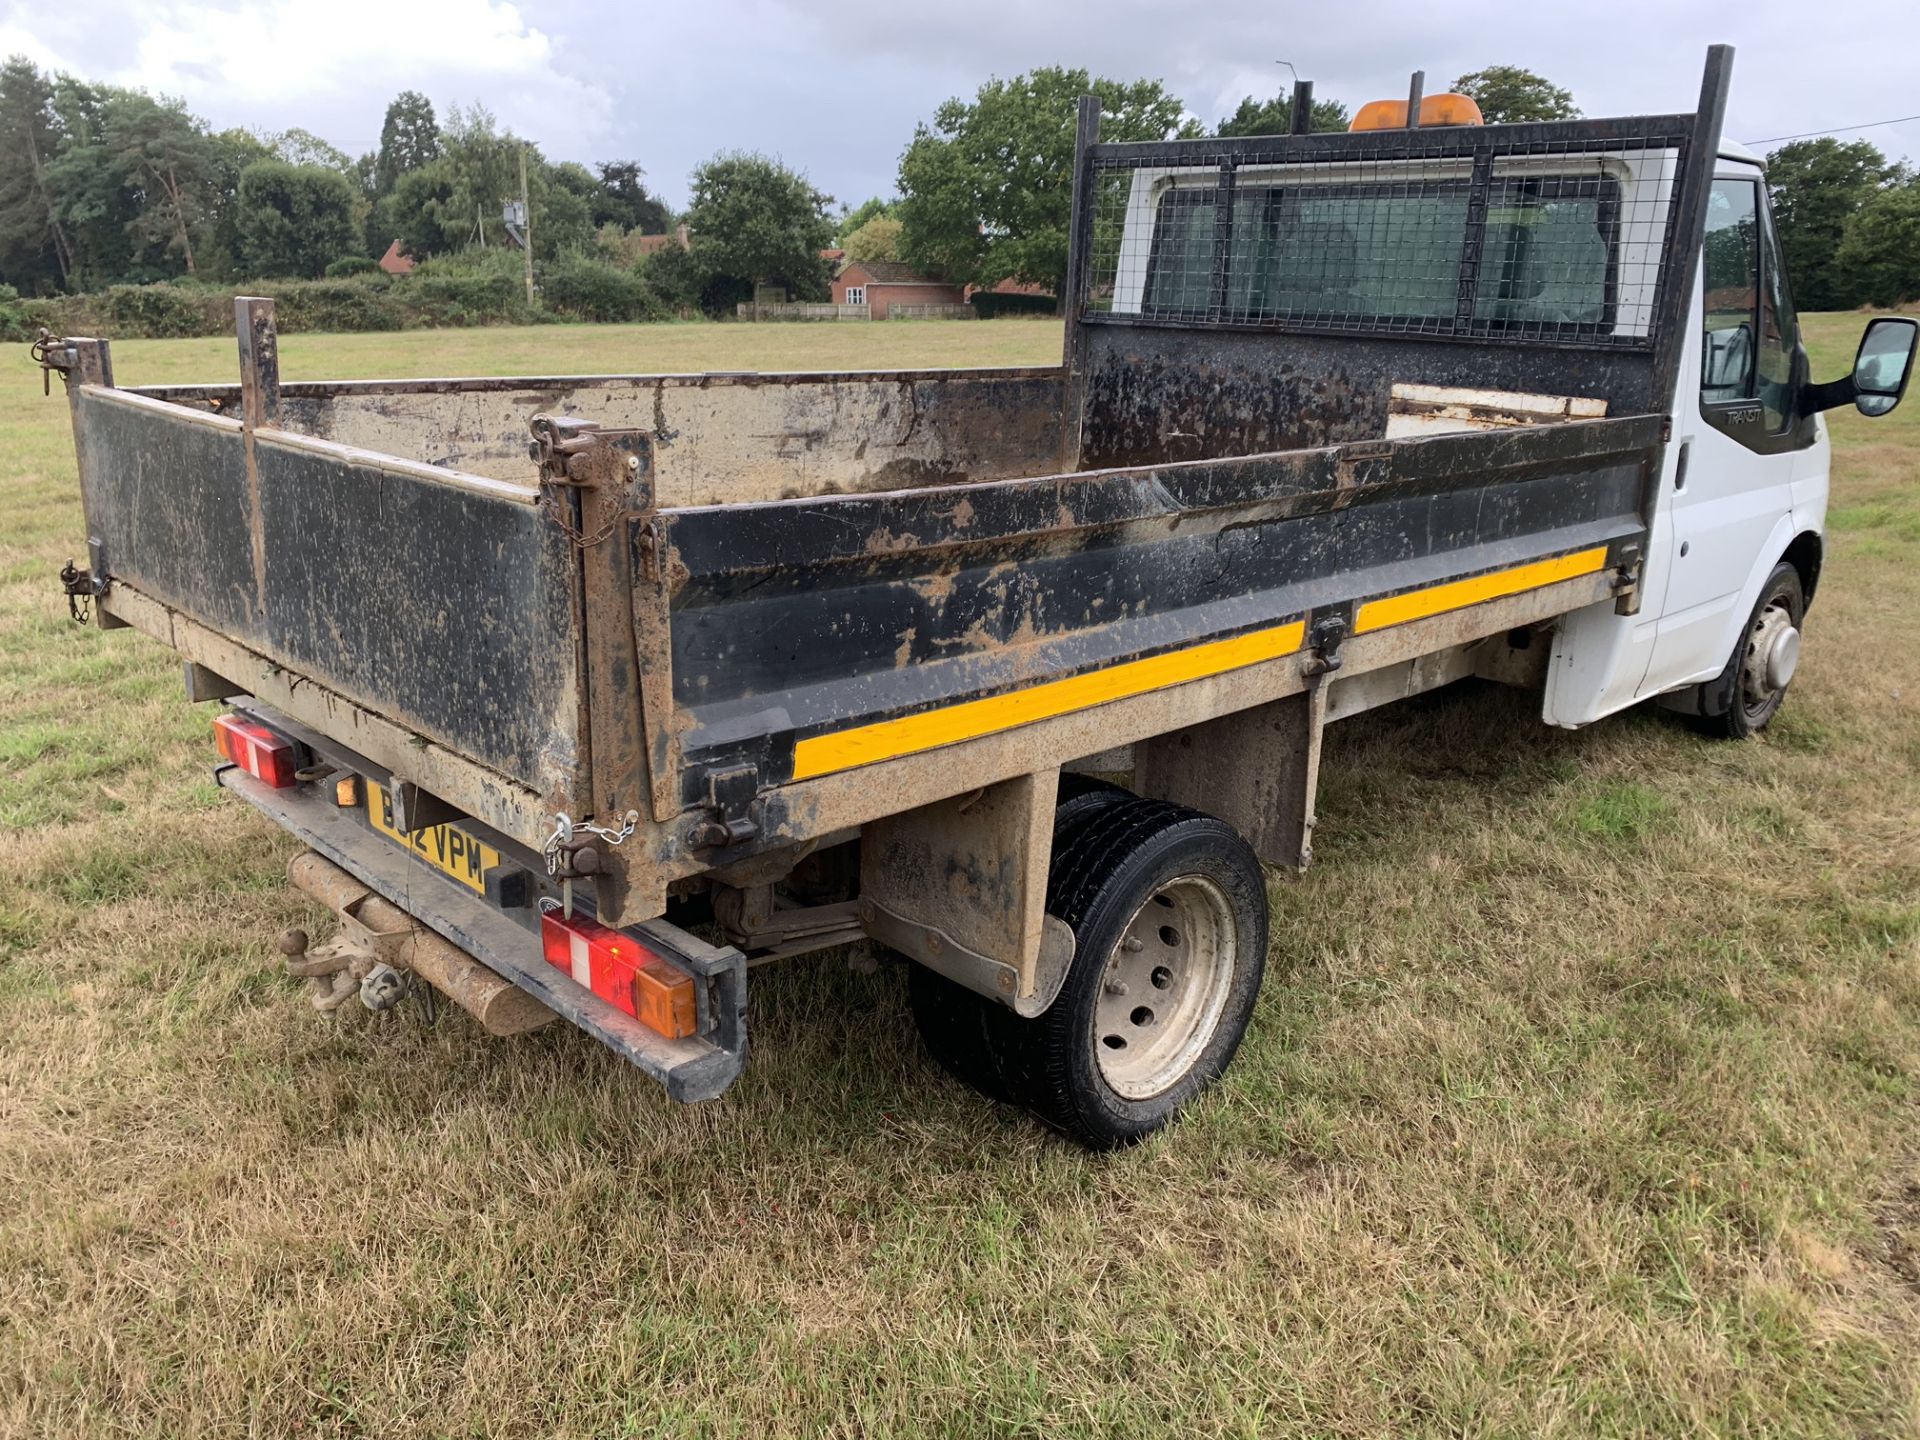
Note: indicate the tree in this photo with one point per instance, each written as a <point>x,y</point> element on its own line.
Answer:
<point>1275,117</point>
<point>424,212</point>
<point>878,239</point>
<point>293,219</point>
<point>303,147</point>
<point>562,197</point>
<point>621,198</point>
<point>409,138</point>
<point>987,190</point>
<point>1508,95</point>
<point>91,204</point>
<point>34,247</point>
<point>139,166</point>
<point>163,154</point>
<point>1880,247</point>
<point>753,221</point>
<point>1817,187</point>
<point>233,152</point>
<point>456,200</point>
<point>867,210</point>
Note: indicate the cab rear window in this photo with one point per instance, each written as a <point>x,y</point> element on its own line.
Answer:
<point>1391,256</point>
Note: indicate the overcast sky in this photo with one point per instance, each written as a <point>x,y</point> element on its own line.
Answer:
<point>835,87</point>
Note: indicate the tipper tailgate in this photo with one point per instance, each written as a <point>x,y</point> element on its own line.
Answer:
<point>444,602</point>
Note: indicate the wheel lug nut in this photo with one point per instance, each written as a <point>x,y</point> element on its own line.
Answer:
<point>1133,946</point>
<point>1116,987</point>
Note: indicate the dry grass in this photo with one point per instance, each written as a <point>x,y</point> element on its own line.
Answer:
<point>1581,1099</point>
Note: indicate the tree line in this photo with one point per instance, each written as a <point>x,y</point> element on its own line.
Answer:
<point>103,186</point>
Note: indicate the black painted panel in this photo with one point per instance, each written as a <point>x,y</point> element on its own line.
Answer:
<point>448,610</point>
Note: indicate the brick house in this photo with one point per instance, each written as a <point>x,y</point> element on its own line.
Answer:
<point>653,244</point>
<point>396,261</point>
<point>881,284</point>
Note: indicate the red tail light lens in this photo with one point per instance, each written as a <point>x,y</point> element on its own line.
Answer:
<point>622,972</point>
<point>256,750</point>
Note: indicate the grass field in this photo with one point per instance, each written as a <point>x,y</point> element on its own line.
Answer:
<point>1581,1097</point>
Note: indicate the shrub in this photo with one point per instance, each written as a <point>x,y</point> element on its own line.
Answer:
<point>339,305</point>
<point>991,306</point>
<point>166,311</point>
<point>463,299</point>
<point>348,265</point>
<point>13,315</point>
<point>582,288</point>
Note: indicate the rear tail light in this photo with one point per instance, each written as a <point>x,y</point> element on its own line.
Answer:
<point>622,972</point>
<point>257,750</point>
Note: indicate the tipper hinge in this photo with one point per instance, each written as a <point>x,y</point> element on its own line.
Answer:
<point>1324,639</point>
<point>731,795</point>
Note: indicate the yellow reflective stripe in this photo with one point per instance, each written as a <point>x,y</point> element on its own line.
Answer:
<point>910,734</point>
<point>1458,594</point>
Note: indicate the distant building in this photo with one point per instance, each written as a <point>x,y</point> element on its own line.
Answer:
<point>881,284</point>
<point>653,244</point>
<point>396,261</point>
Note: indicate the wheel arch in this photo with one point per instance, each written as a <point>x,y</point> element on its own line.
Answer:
<point>1805,553</point>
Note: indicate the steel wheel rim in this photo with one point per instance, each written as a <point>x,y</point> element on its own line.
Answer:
<point>1758,693</point>
<point>1164,987</point>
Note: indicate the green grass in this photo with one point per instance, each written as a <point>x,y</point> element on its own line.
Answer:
<point>1583,1097</point>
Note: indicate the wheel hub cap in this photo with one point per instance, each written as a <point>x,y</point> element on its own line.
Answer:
<point>1773,652</point>
<point>1783,658</point>
<point>1164,987</point>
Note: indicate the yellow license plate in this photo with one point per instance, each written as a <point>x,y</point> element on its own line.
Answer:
<point>450,851</point>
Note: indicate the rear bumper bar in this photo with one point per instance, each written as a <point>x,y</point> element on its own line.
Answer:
<point>698,1068</point>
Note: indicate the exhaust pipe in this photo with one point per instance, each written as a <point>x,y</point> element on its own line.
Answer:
<point>384,933</point>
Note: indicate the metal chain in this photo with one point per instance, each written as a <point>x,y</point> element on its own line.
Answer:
<point>565,828</point>
<point>556,508</point>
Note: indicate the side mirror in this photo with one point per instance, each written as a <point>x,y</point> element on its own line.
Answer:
<point>1885,363</point>
<point>1880,370</point>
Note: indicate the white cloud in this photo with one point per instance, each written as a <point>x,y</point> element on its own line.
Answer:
<point>327,67</point>
<point>835,87</point>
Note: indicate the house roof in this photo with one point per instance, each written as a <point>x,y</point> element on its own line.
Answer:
<point>395,262</point>
<point>892,272</point>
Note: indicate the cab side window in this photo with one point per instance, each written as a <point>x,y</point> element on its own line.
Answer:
<point>1752,340</point>
<point>1779,333</point>
<point>1732,281</point>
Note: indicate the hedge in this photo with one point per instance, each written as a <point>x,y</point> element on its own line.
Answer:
<point>456,292</point>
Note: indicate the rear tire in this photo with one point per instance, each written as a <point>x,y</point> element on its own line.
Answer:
<point>1752,688</point>
<point>1169,913</point>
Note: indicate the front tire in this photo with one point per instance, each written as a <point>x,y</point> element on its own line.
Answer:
<point>1750,691</point>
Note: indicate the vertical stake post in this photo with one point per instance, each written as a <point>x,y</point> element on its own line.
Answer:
<point>259,361</point>
<point>526,209</point>
<point>1300,118</point>
<point>1415,94</point>
<point>259,408</point>
<point>1079,254</point>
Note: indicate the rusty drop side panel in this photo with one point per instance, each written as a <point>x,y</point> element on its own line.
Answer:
<point>718,439</point>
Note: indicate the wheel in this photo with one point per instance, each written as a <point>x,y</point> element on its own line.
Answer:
<point>1077,785</point>
<point>1169,913</point>
<point>1750,691</point>
<point>958,1025</point>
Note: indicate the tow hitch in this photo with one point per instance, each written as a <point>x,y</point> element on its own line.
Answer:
<point>381,953</point>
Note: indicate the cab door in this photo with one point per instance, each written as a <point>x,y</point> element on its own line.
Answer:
<point>1731,501</point>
